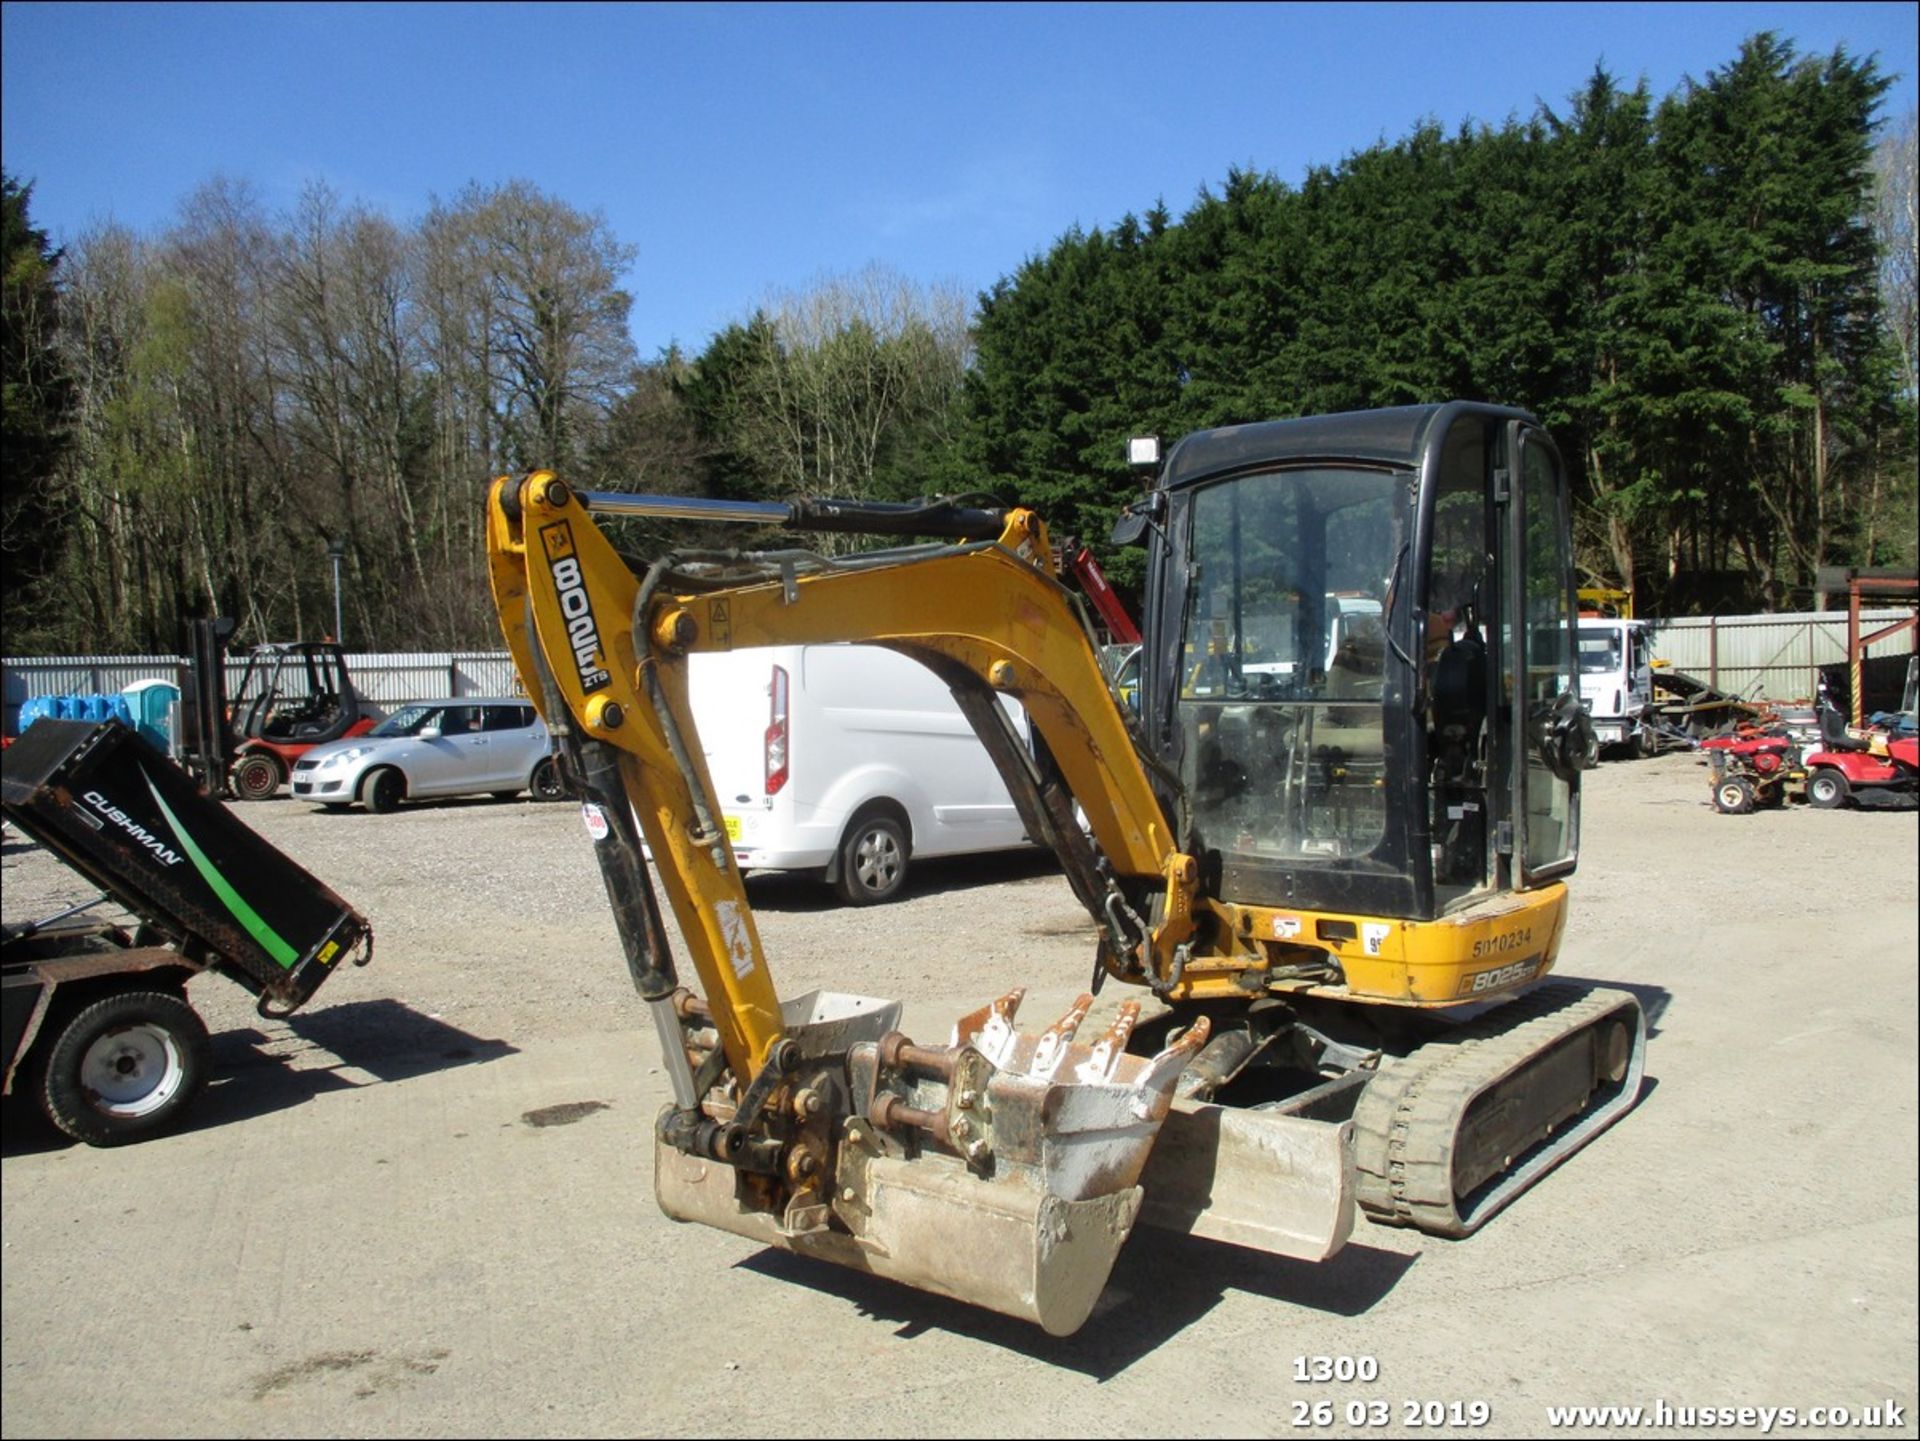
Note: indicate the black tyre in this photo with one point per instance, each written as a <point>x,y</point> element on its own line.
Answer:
<point>1645,742</point>
<point>1827,788</point>
<point>545,783</point>
<point>383,790</point>
<point>1733,796</point>
<point>125,1068</point>
<point>256,776</point>
<point>873,860</point>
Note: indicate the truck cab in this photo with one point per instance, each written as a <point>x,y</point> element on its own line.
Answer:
<point>1616,682</point>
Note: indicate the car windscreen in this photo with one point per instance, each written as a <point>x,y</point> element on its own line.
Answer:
<point>408,720</point>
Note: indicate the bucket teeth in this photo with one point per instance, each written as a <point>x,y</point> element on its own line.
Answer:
<point>1105,1055</point>
<point>989,1030</point>
<point>1051,1049</point>
<point>1153,1090</point>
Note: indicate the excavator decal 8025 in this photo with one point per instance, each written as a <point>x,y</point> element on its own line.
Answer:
<point>582,634</point>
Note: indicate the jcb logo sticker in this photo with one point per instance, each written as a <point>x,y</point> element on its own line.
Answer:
<point>583,636</point>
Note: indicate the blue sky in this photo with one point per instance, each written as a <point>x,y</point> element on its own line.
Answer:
<point>749,148</point>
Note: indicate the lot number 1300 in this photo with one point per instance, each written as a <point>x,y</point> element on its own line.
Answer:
<point>1336,1368</point>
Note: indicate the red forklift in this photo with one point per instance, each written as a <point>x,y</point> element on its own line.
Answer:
<point>292,696</point>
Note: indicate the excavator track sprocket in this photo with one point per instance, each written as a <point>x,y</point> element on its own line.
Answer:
<point>1448,1135</point>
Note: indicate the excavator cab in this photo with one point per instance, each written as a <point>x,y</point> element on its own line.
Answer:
<point>1359,658</point>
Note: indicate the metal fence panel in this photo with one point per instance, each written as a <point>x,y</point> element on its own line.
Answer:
<point>1761,657</point>
<point>1769,657</point>
<point>387,679</point>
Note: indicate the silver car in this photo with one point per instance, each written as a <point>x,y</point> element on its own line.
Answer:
<point>459,746</point>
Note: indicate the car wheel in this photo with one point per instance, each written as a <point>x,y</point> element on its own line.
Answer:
<point>383,790</point>
<point>125,1068</point>
<point>545,783</point>
<point>1827,789</point>
<point>256,776</point>
<point>873,860</point>
<point>1733,796</point>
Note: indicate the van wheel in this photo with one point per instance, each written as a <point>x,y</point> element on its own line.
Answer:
<point>125,1068</point>
<point>873,861</point>
<point>383,790</point>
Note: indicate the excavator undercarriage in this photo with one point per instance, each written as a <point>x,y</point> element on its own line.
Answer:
<point>1329,846</point>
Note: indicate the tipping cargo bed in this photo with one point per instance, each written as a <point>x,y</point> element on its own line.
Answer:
<point>203,883</point>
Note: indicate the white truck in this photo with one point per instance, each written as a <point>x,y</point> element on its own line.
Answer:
<point>849,760</point>
<point>1616,682</point>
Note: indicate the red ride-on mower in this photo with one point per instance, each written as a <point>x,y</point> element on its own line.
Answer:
<point>1873,770</point>
<point>1751,770</point>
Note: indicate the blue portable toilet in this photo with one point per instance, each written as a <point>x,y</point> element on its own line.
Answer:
<point>148,702</point>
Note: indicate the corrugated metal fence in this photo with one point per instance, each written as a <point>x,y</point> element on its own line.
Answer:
<point>1769,657</point>
<point>386,679</point>
<point>1760,657</point>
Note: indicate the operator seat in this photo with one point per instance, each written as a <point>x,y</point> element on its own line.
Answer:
<point>1833,730</point>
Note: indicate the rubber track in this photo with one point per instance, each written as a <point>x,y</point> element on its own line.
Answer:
<point>1408,1116</point>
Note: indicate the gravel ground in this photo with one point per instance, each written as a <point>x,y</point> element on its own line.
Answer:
<point>1747,1236</point>
<point>491,916</point>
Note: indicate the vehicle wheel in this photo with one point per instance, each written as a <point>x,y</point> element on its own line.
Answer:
<point>1827,789</point>
<point>125,1068</point>
<point>545,783</point>
<point>383,790</point>
<point>873,860</point>
<point>1645,743</point>
<point>256,776</point>
<point>1733,796</point>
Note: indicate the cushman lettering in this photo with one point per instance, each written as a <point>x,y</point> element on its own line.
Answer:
<point>127,823</point>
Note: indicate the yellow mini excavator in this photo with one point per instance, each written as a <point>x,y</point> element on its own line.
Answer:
<point>1326,837</point>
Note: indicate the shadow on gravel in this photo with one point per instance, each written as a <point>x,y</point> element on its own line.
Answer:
<point>1161,1285</point>
<point>800,891</point>
<point>251,1074</point>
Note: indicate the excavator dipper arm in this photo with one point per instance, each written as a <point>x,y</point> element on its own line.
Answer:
<point>839,1136</point>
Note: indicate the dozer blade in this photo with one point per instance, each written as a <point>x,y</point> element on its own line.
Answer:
<point>1280,1184</point>
<point>1447,1136</point>
<point>1002,1169</point>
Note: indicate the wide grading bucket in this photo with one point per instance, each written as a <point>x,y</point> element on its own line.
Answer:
<point>1002,1169</point>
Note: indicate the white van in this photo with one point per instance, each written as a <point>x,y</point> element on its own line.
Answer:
<point>846,759</point>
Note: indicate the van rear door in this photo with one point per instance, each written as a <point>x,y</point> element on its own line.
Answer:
<point>732,698</point>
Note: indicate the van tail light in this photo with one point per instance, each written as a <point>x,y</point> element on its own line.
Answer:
<point>778,753</point>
